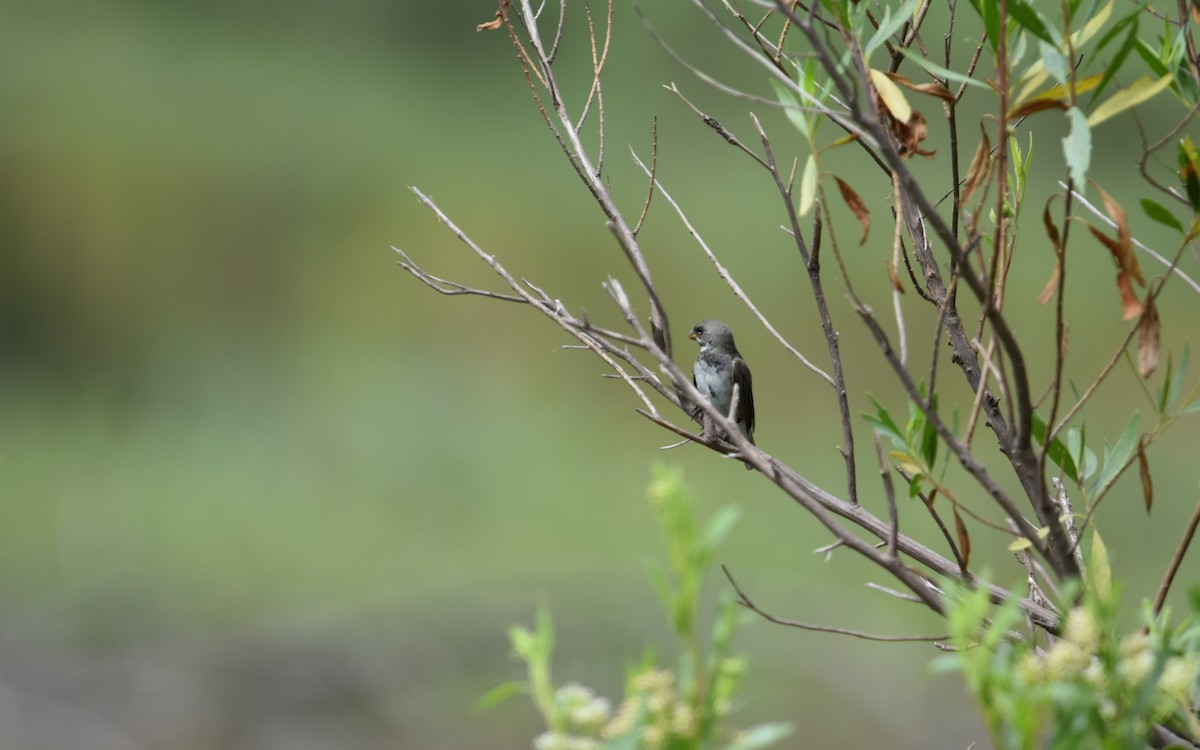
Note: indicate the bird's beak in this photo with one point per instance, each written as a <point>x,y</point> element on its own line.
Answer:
<point>692,335</point>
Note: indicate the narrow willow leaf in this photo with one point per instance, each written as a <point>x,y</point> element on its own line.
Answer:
<point>808,185</point>
<point>1160,214</point>
<point>893,98</point>
<point>857,207</point>
<point>1139,91</point>
<point>1116,457</point>
<point>1058,452</point>
<point>791,107</point>
<point>888,26</point>
<point>944,73</point>
<point>1026,17</point>
<point>1118,59</point>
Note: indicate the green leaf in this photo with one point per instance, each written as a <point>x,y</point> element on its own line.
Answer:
<point>1116,458</point>
<point>1056,65</point>
<point>808,185</point>
<point>791,107</point>
<point>1160,214</point>
<point>884,424</point>
<point>1191,408</point>
<point>1118,58</point>
<point>1017,545</point>
<point>989,13</point>
<point>888,26</point>
<point>944,73</point>
<point>523,642</point>
<point>499,694</point>
<point>1077,147</point>
<point>1029,19</point>
<point>1057,452</point>
<point>1148,54</point>
<point>762,736</point>
<point>718,528</point>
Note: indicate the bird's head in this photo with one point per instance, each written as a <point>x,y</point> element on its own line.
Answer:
<point>712,333</point>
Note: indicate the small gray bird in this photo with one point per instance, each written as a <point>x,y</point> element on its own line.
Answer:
<point>718,367</point>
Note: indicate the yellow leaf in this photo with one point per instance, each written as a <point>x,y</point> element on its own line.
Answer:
<point>1019,544</point>
<point>892,96</point>
<point>1142,89</point>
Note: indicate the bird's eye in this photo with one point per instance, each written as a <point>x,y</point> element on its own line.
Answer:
<point>697,330</point>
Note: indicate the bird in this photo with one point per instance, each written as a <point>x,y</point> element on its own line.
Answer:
<point>719,366</point>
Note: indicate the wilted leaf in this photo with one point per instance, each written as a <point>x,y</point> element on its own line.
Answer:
<point>1077,146</point>
<point>1124,237</point>
<point>1038,104</point>
<point>910,134</point>
<point>1142,89</point>
<point>1056,241</point>
<point>1052,284</point>
<point>1128,268</point>
<point>1148,338</point>
<point>964,539</point>
<point>1130,303</point>
<point>1144,471</point>
<point>981,166</point>
<point>891,96</point>
<point>495,23</point>
<point>808,185</point>
<point>894,277</point>
<point>933,89</point>
<point>857,206</point>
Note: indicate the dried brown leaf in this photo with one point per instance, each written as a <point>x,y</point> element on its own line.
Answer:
<point>1051,229</point>
<point>857,207</point>
<point>981,166</point>
<point>1036,105</point>
<point>1144,471</point>
<point>1056,240</point>
<point>1127,259</point>
<point>1148,337</point>
<point>493,24</point>
<point>933,89</point>
<point>1052,284</point>
<point>1130,303</point>
<point>895,277</point>
<point>964,539</point>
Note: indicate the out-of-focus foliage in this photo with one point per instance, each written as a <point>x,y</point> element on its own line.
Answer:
<point>681,709</point>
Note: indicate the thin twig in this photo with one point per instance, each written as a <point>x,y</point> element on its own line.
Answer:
<point>746,602</point>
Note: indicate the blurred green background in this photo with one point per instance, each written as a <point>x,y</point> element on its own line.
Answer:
<point>262,489</point>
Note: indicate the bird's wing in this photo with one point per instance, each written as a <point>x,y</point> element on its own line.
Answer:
<point>741,378</point>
